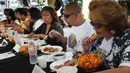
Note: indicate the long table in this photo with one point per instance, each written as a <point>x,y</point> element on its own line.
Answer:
<point>20,63</point>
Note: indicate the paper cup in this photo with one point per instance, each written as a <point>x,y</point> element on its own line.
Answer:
<point>42,61</point>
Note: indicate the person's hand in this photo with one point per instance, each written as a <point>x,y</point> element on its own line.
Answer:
<point>86,44</point>
<point>18,29</point>
<point>30,35</point>
<point>39,36</point>
<point>26,23</point>
<point>13,24</point>
<point>54,33</point>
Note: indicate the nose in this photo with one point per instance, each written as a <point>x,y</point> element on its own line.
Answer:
<point>44,17</point>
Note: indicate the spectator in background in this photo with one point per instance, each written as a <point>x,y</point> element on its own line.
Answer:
<point>51,3</point>
<point>80,2</point>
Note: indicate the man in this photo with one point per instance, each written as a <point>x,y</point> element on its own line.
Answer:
<point>80,28</point>
<point>23,16</point>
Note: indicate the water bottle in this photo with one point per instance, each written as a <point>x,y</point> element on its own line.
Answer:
<point>32,52</point>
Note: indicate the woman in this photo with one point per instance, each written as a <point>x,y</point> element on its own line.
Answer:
<point>111,26</point>
<point>10,15</point>
<point>51,22</point>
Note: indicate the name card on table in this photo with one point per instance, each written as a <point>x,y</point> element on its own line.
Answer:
<point>6,55</point>
<point>4,43</point>
<point>16,48</point>
<point>37,69</point>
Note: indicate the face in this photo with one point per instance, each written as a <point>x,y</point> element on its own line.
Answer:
<point>17,15</point>
<point>71,19</point>
<point>100,30</point>
<point>8,17</point>
<point>21,16</point>
<point>31,19</point>
<point>46,16</point>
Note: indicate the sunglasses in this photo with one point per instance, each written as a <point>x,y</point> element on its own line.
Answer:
<point>96,25</point>
<point>68,15</point>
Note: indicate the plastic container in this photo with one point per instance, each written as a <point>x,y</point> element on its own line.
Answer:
<point>32,52</point>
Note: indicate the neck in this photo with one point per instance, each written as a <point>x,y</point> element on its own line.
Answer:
<point>24,18</point>
<point>48,24</point>
<point>81,21</point>
<point>35,20</point>
<point>108,37</point>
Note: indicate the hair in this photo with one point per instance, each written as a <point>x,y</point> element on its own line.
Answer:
<point>52,12</point>
<point>21,11</point>
<point>34,13</point>
<point>10,12</point>
<point>110,14</point>
<point>72,7</point>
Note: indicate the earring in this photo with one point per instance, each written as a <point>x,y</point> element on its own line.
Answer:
<point>113,32</point>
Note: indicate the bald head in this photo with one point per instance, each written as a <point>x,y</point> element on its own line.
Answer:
<point>72,7</point>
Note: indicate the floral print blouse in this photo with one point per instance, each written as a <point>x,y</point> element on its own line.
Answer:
<point>119,54</point>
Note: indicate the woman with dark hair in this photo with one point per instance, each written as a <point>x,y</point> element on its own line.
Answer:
<point>46,11</point>
<point>10,15</point>
<point>51,22</point>
<point>113,36</point>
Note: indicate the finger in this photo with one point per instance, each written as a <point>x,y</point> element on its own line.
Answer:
<point>51,33</point>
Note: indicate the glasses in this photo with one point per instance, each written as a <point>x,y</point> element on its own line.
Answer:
<point>96,25</point>
<point>68,15</point>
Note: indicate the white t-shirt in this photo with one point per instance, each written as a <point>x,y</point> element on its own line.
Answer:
<point>106,46</point>
<point>80,32</point>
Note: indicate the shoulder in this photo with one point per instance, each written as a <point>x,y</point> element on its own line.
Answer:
<point>125,34</point>
<point>127,31</point>
<point>56,24</point>
<point>124,39</point>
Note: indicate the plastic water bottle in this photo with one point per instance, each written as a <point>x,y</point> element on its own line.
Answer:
<point>32,52</point>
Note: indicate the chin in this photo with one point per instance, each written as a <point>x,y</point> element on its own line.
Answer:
<point>69,26</point>
<point>99,35</point>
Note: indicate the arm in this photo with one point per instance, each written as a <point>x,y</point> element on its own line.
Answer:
<point>55,34</point>
<point>86,44</point>
<point>39,36</point>
<point>18,29</point>
<point>123,69</point>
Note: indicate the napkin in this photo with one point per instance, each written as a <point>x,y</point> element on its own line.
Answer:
<point>37,69</point>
